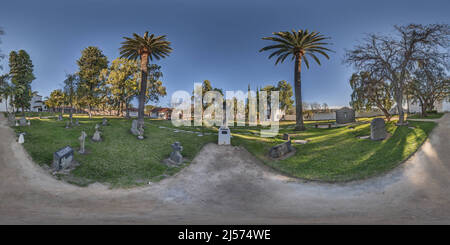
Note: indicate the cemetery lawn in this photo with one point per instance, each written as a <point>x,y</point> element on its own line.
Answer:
<point>336,154</point>
<point>429,116</point>
<point>120,160</point>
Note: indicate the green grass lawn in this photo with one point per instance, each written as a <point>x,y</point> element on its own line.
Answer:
<point>337,154</point>
<point>121,160</point>
<point>429,116</point>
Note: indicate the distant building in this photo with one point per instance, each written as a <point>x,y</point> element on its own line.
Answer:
<point>345,115</point>
<point>133,112</point>
<point>161,113</point>
<point>4,103</point>
<point>37,104</point>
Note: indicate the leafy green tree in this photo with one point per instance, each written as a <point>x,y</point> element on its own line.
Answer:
<point>91,63</point>
<point>144,48</point>
<point>70,87</point>
<point>155,89</point>
<point>57,99</point>
<point>299,45</point>
<point>286,94</point>
<point>21,73</point>
<point>369,92</point>
<point>6,89</point>
<point>122,79</point>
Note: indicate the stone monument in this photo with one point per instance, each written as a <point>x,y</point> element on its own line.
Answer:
<point>97,137</point>
<point>378,129</point>
<point>176,156</point>
<point>224,136</point>
<point>82,140</point>
<point>281,149</point>
<point>23,121</point>
<point>62,158</point>
<point>104,122</point>
<point>21,138</point>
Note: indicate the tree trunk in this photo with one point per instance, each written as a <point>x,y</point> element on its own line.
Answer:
<point>127,111</point>
<point>298,94</point>
<point>71,113</point>
<point>399,100</point>
<point>144,75</point>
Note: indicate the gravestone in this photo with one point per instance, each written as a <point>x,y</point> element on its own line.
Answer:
<point>281,149</point>
<point>17,123</point>
<point>60,118</point>
<point>67,124</point>
<point>176,156</point>
<point>97,137</point>
<point>97,127</point>
<point>82,140</point>
<point>378,129</point>
<point>21,138</point>
<point>286,137</point>
<point>224,136</point>
<point>104,122</point>
<point>23,121</point>
<point>62,158</point>
<point>77,123</point>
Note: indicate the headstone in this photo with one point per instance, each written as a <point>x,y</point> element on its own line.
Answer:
<point>29,123</point>
<point>97,127</point>
<point>62,158</point>
<point>281,149</point>
<point>60,118</point>
<point>378,129</point>
<point>286,137</point>
<point>17,123</point>
<point>104,122</point>
<point>67,124</point>
<point>134,127</point>
<point>97,135</point>
<point>224,136</point>
<point>77,123</point>
<point>82,140</point>
<point>176,156</point>
<point>21,138</point>
<point>23,121</point>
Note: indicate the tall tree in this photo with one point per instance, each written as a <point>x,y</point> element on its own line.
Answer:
<point>429,84</point>
<point>6,89</point>
<point>144,48</point>
<point>21,73</point>
<point>393,57</point>
<point>122,78</point>
<point>286,93</point>
<point>299,45</point>
<point>369,92</point>
<point>70,87</point>
<point>91,63</point>
<point>56,100</point>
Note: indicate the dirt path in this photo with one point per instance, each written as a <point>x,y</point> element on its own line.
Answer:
<point>227,185</point>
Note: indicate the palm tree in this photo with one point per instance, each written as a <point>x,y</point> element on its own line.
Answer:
<point>145,48</point>
<point>298,44</point>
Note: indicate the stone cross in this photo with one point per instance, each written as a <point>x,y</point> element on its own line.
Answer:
<point>21,138</point>
<point>104,122</point>
<point>176,156</point>
<point>82,140</point>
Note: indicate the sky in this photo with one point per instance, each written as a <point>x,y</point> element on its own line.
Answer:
<point>212,40</point>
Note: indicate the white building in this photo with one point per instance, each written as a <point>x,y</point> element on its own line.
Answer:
<point>4,103</point>
<point>37,104</point>
<point>440,106</point>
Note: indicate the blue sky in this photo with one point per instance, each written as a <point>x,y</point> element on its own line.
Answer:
<point>212,39</point>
